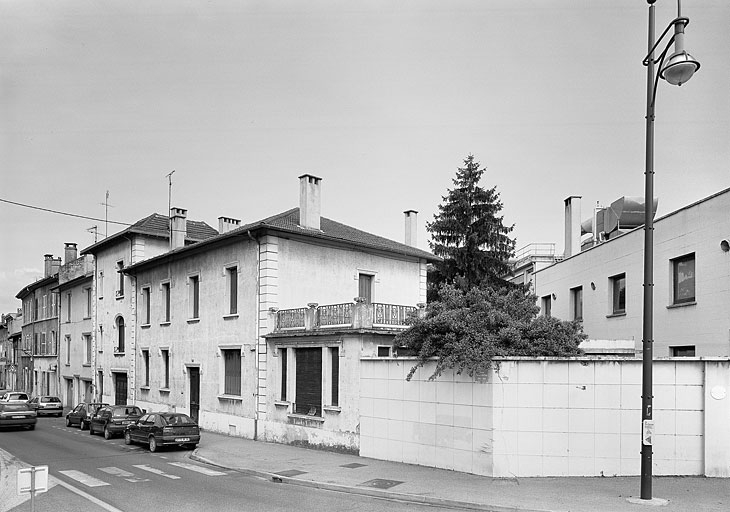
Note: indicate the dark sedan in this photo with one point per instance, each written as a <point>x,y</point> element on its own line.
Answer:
<point>82,413</point>
<point>17,415</point>
<point>47,405</point>
<point>113,419</point>
<point>163,429</point>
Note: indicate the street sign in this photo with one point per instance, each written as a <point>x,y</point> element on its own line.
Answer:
<point>33,480</point>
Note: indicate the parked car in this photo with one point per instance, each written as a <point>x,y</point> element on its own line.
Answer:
<point>15,397</point>
<point>112,419</point>
<point>17,414</point>
<point>163,429</point>
<point>47,405</point>
<point>82,413</point>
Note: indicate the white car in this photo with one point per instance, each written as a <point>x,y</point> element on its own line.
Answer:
<point>14,397</point>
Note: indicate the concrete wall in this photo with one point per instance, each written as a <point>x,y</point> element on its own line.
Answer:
<point>541,417</point>
<point>698,228</point>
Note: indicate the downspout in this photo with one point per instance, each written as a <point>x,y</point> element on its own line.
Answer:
<point>258,332</point>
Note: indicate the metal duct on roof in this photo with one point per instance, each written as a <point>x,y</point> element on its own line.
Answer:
<point>626,213</point>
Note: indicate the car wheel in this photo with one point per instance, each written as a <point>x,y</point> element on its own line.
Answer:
<point>91,430</point>
<point>127,438</point>
<point>31,427</point>
<point>68,422</point>
<point>83,425</point>
<point>191,446</point>
<point>153,444</point>
<point>107,433</point>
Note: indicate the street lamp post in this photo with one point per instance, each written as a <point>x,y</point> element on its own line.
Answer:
<point>679,68</point>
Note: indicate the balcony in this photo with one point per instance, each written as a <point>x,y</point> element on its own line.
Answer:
<point>349,315</point>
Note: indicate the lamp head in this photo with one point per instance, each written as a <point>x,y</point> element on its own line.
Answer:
<point>679,68</point>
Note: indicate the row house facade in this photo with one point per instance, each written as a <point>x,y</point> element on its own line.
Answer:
<point>259,331</point>
<point>38,363</point>
<point>10,336</point>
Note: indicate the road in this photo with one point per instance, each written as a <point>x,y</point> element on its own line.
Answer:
<point>89,473</point>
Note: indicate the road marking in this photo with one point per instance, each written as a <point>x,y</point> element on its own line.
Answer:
<point>129,477</point>
<point>83,478</point>
<point>144,467</point>
<point>96,501</point>
<point>199,469</point>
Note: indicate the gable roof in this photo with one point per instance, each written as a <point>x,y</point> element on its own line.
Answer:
<point>157,225</point>
<point>288,222</point>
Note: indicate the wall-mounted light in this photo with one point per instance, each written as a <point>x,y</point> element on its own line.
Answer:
<point>555,297</point>
<point>593,285</point>
<point>725,245</point>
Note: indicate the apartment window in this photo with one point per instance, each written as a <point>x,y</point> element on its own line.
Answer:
<point>194,284</point>
<point>166,299</point>
<point>44,349</point>
<point>308,379</point>
<point>683,279</point>
<point>45,306</point>
<point>232,276</point>
<point>546,305</point>
<point>146,306</point>
<point>146,363</point>
<point>365,287</point>
<point>120,285</point>
<point>100,285</point>
<point>52,349</point>
<point>335,376</point>
<point>68,349</point>
<point>120,335</point>
<point>100,383</point>
<point>54,304</point>
<point>166,368</point>
<point>683,351</point>
<point>87,348</point>
<point>576,302</point>
<point>68,307</point>
<point>87,307</point>
<point>284,376</point>
<point>383,351</point>
<point>35,309</point>
<point>618,294</point>
<point>232,372</point>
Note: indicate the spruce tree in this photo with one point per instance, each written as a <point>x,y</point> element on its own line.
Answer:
<point>469,234</point>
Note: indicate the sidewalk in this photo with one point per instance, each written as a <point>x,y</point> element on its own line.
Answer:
<point>349,473</point>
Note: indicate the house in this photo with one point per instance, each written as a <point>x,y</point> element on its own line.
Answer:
<point>38,364</point>
<point>76,298</point>
<point>258,331</point>
<point>12,336</point>
<point>602,285</point>
<point>113,304</point>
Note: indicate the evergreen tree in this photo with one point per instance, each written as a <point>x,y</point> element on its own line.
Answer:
<point>468,233</point>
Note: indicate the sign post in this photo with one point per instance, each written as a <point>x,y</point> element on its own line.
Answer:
<point>32,480</point>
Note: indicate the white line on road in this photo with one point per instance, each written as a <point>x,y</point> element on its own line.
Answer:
<point>96,501</point>
<point>129,477</point>
<point>83,478</point>
<point>199,469</point>
<point>144,467</point>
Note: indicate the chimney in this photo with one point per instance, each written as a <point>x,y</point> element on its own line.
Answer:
<point>70,253</point>
<point>48,265</point>
<point>411,227</point>
<point>179,226</point>
<point>226,224</point>
<point>572,226</point>
<point>309,203</point>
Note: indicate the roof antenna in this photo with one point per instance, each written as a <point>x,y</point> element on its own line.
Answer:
<point>106,214</point>
<point>93,229</point>
<point>169,200</point>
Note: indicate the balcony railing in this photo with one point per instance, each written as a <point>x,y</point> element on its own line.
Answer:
<point>357,315</point>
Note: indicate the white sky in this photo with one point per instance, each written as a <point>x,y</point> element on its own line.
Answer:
<point>382,99</point>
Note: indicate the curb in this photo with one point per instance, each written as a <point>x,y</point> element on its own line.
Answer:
<point>376,493</point>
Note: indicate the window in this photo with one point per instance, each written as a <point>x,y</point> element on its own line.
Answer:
<point>383,351</point>
<point>44,348</point>
<point>335,374</point>
<point>52,349</point>
<point>100,285</point>
<point>232,372</point>
<point>683,351</point>
<point>194,283</point>
<point>166,368</point>
<point>87,348</point>
<point>284,365</point>
<point>87,308</point>
<point>146,306</point>
<point>166,299</point>
<point>546,305</point>
<point>120,285</point>
<point>54,304</point>
<point>576,302</point>
<point>120,335</point>
<point>146,362</point>
<point>618,293</point>
<point>35,309</point>
<point>232,276</point>
<point>308,399</point>
<point>365,287</point>
<point>45,306</point>
<point>68,307</point>
<point>68,349</point>
<point>100,384</point>
<point>683,279</point>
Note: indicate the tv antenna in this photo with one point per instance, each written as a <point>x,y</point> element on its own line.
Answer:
<point>106,214</point>
<point>94,230</point>
<point>169,200</point>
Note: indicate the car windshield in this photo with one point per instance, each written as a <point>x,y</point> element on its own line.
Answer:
<point>127,411</point>
<point>177,419</point>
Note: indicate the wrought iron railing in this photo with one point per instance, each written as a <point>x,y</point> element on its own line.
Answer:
<point>334,314</point>
<point>391,314</point>
<point>290,318</point>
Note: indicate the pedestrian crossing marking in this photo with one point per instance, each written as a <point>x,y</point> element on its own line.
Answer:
<point>199,469</point>
<point>144,467</point>
<point>129,477</point>
<point>83,478</point>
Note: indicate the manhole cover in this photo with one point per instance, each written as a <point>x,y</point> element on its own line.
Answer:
<point>353,465</point>
<point>290,472</point>
<point>380,483</point>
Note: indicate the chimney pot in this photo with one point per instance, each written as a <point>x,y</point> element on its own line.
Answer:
<point>178,225</point>
<point>226,224</point>
<point>70,252</point>
<point>572,226</point>
<point>411,218</point>
<point>309,201</point>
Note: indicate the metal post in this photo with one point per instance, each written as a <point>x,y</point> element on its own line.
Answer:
<point>647,343</point>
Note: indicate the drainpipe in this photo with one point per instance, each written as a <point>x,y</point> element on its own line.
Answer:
<point>258,311</point>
